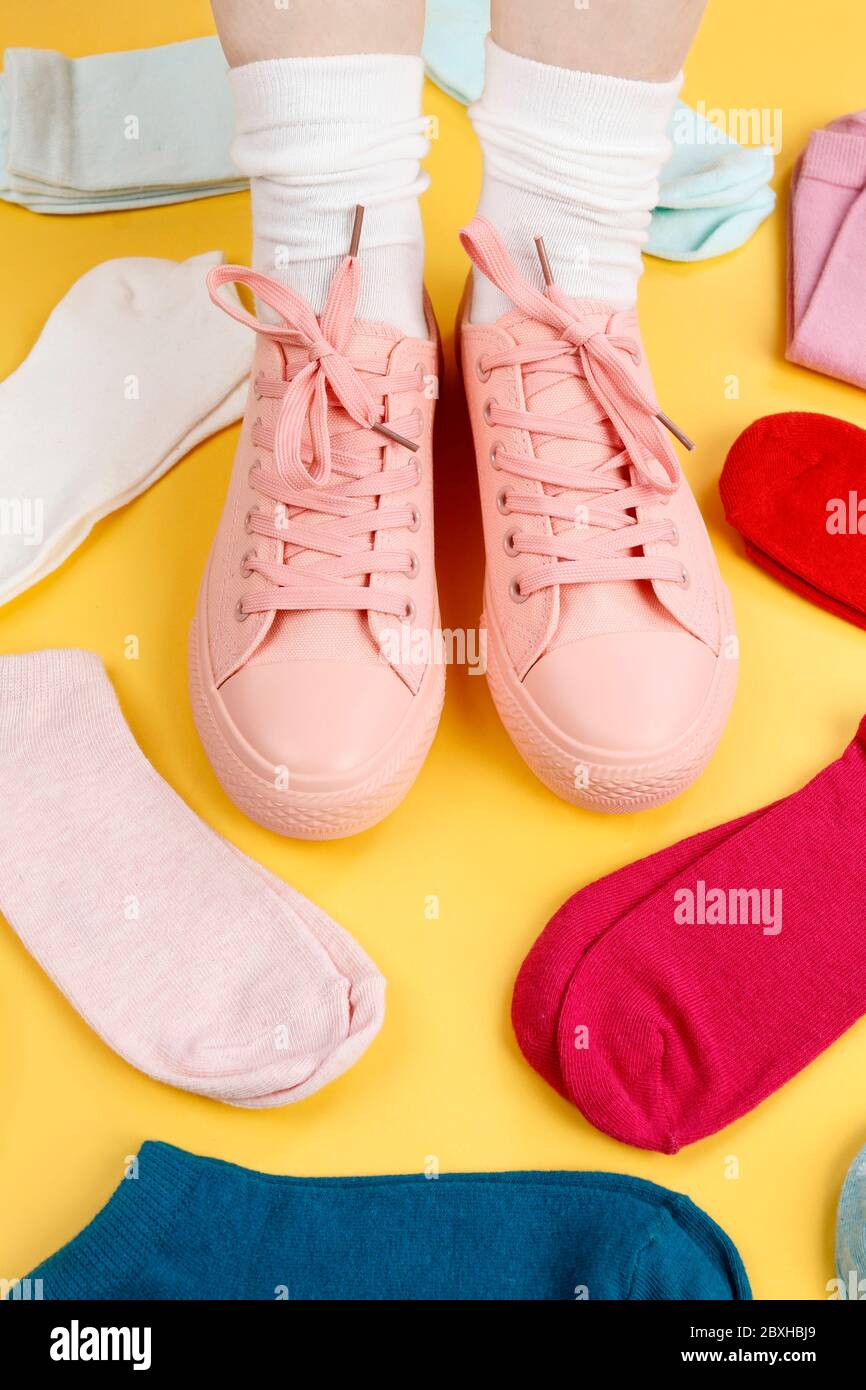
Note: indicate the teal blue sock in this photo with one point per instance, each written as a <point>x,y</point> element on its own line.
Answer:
<point>851,1231</point>
<point>182,1227</point>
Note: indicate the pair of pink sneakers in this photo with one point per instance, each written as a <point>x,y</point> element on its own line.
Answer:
<point>316,662</point>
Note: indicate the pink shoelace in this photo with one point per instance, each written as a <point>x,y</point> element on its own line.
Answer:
<point>327,452</point>
<point>595,540</point>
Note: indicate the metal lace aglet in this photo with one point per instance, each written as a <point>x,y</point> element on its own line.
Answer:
<point>397,438</point>
<point>356,230</point>
<point>675,430</point>
<point>353,251</point>
<point>545,263</point>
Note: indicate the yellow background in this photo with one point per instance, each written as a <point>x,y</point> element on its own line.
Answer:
<point>500,852</point>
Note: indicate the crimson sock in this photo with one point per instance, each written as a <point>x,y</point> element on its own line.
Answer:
<point>792,485</point>
<point>545,975</point>
<point>688,1026</point>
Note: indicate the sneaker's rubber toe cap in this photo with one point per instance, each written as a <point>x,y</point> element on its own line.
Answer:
<point>317,718</point>
<point>624,693</point>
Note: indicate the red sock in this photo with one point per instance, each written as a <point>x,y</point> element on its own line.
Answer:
<point>690,1026</point>
<point>792,485</point>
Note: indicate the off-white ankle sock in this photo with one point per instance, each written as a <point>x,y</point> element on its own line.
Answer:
<point>132,369</point>
<point>573,157</point>
<point>194,963</point>
<point>315,137</point>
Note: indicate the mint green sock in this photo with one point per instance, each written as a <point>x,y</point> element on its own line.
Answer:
<point>116,130</point>
<point>713,192</point>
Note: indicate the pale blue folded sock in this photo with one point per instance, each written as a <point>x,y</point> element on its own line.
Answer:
<point>116,130</point>
<point>453,52</point>
<point>851,1231</point>
<point>713,192</point>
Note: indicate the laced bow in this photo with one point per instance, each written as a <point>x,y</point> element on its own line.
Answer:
<point>605,360</point>
<point>332,472</point>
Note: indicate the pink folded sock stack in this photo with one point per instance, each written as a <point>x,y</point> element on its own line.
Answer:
<point>827,252</point>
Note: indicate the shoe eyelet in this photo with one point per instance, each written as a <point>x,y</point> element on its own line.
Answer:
<point>256,463</point>
<point>257,388</point>
<point>240,614</point>
<point>494,451</point>
<point>514,592</point>
<point>502,497</point>
<point>245,569</point>
<point>257,423</point>
<point>488,406</point>
<point>253,511</point>
<point>416,520</point>
<point>414,565</point>
<point>409,612</point>
<point>685,578</point>
<point>674,537</point>
<point>509,542</point>
<point>419,472</point>
<point>482,373</point>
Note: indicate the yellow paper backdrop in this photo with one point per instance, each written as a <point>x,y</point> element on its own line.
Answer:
<point>499,852</point>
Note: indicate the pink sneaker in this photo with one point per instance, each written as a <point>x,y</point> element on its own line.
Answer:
<point>313,696</point>
<point>611,643</point>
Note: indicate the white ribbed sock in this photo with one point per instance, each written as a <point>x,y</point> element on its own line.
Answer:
<point>573,157</point>
<point>315,137</point>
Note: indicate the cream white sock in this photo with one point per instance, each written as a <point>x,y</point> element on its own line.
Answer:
<point>132,368</point>
<point>573,157</point>
<point>194,963</point>
<point>315,137</point>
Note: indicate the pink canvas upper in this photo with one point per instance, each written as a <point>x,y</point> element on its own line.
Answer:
<point>318,500</point>
<point>580,489</point>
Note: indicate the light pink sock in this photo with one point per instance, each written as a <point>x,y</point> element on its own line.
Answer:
<point>688,1024</point>
<point>192,962</point>
<point>826,256</point>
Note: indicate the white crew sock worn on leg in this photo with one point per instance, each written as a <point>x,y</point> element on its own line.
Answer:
<point>194,963</point>
<point>573,157</point>
<point>132,369</point>
<point>317,136</point>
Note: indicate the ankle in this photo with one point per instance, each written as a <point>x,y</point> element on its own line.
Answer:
<point>316,136</point>
<point>575,157</point>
